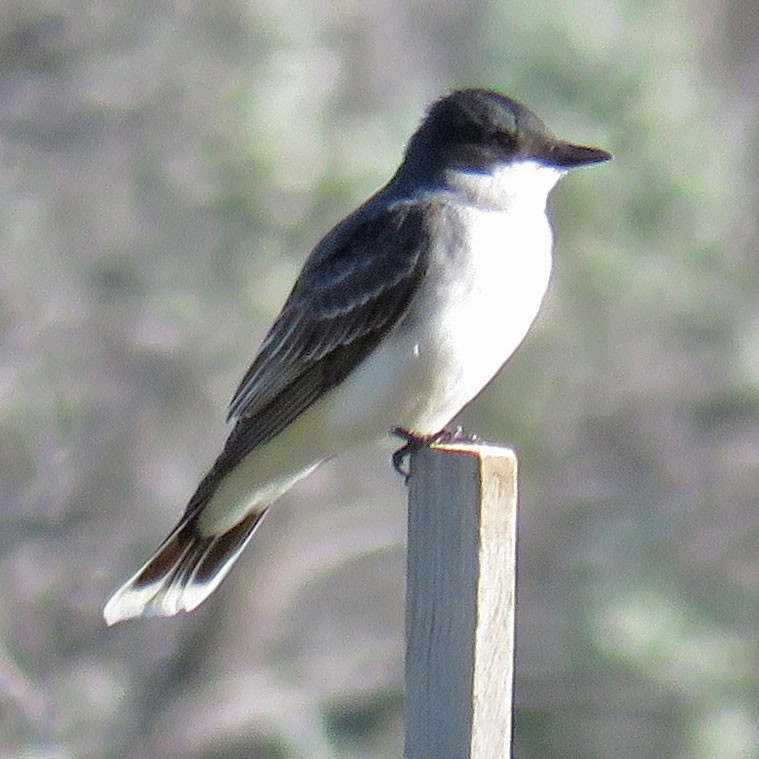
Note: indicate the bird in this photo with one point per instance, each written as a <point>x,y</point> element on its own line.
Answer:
<point>400,316</point>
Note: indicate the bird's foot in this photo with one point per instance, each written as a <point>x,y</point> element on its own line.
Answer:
<point>415,443</point>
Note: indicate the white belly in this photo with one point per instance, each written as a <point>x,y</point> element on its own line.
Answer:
<point>471,313</point>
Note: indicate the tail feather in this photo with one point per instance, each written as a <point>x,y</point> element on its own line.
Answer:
<point>187,567</point>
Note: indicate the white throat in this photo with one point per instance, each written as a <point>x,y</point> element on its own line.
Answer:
<point>526,182</point>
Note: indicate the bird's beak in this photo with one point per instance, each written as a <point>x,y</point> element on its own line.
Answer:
<point>566,155</point>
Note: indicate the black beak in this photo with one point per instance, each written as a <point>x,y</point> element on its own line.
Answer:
<point>565,155</point>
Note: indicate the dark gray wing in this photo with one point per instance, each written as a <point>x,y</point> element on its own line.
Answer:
<point>353,290</point>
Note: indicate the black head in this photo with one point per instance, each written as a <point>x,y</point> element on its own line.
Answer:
<point>476,129</point>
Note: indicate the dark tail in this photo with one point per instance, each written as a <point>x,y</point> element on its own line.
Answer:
<point>183,572</point>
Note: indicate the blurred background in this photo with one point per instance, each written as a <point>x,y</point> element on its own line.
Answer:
<point>165,167</point>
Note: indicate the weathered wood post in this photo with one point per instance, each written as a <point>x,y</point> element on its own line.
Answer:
<point>460,602</point>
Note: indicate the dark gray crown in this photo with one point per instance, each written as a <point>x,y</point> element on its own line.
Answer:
<point>475,129</point>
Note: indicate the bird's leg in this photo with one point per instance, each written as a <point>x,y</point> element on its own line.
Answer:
<point>417,442</point>
<point>413,443</point>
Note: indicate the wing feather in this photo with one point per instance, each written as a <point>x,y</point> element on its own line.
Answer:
<point>354,289</point>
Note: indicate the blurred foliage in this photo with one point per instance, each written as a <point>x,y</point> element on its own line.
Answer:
<point>165,169</point>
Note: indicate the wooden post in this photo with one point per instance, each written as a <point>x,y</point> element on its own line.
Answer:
<point>460,602</point>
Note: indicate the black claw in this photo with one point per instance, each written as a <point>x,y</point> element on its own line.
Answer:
<point>399,461</point>
<point>415,443</point>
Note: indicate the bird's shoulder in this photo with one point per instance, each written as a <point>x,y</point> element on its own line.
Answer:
<point>355,287</point>
<point>389,231</point>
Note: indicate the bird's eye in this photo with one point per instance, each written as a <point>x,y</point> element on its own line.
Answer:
<point>505,139</point>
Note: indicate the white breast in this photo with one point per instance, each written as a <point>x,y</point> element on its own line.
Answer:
<point>486,279</point>
<point>477,313</point>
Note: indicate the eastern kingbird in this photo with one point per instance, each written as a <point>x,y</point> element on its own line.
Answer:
<point>401,315</point>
